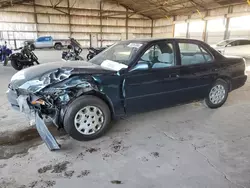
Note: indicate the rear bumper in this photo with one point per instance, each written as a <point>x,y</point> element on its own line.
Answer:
<point>238,82</point>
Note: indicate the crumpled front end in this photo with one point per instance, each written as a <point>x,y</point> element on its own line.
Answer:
<point>47,97</point>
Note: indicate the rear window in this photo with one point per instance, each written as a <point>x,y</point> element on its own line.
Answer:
<point>193,54</point>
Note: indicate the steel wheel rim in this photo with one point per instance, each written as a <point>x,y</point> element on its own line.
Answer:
<point>217,94</point>
<point>89,120</point>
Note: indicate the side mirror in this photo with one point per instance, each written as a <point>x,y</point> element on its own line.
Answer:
<point>141,66</point>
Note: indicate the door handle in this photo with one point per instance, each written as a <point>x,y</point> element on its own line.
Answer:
<point>174,76</point>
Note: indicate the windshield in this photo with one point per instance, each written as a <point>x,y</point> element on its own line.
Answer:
<point>118,56</point>
<point>224,42</point>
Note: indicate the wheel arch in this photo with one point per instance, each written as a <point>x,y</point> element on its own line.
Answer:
<point>105,98</point>
<point>226,78</point>
<point>58,43</point>
<point>91,93</point>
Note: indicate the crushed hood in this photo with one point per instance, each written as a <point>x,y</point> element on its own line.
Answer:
<point>76,67</point>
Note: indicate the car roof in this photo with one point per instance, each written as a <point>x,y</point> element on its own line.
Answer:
<point>160,39</point>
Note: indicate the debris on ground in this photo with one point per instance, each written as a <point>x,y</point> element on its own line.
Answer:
<point>116,182</point>
<point>106,155</point>
<point>33,184</point>
<point>84,173</point>
<point>60,167</point>
<point>91,150</point>
<point>155,154</point>
<point>44,169</point>
<point>80,155</point>
<point>69,174</point>
<point>116,146</point>
<point>50,183</point>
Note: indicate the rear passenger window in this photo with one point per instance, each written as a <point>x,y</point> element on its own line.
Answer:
<point>245,42</point>
<point>193,54</point>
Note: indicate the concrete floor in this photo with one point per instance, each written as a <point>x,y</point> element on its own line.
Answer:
<point>183,146</point>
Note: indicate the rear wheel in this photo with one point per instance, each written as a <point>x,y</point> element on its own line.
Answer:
<point>16,64</point>
<point>58,46</point>
<point>218,94</point>
<point>87,118</point>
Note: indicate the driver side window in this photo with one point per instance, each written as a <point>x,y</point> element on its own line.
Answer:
<point>160,55</point>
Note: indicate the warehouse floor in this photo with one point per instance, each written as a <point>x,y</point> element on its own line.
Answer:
<point>183,146</point>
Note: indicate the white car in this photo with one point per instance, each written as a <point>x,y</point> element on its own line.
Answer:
<point>234,47</point>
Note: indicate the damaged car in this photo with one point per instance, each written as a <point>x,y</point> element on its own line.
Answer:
<point>129,77</point>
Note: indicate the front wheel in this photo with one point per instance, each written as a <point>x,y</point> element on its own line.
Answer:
<point>218,94</point>
<point>90,56</point>
<point>16,64</point>
<point>87,118</point>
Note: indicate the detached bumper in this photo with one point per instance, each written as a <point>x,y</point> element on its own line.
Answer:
<point>45,134</point>
<point>20,103</point>
<point>12,98</point>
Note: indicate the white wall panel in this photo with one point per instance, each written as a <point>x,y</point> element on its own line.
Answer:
<point>163,22</point>
<point>84,12</point>
<point>81,36</point>
<point>79,28</point>
<point>139,30</point>
<point>16,17</point>
<point>145,23</point>
<point>84,20</point>
<point>49,27</point>
<point>113,21</point>
<point>110,29</point>
<point>17,27</point>
<point>55,35</point>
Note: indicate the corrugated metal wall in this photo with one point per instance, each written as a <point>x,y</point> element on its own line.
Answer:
<point>77,18</point>
<point>208,26</point>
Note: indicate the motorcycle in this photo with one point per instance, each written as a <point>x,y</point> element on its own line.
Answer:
<point>94,51</point>
<point>73,52</point>
<point>24,58</point>
<point>5,52</point>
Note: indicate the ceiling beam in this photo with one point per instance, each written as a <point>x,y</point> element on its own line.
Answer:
<point>162,6</point>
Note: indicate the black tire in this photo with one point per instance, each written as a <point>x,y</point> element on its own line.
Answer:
<point>16,65</point>
<point>76,106</point>
<point>90,56</point>
<point>32,47</point>
<point>225,85</point>
<point>58,46</point>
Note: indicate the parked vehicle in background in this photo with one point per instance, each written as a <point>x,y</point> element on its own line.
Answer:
<point>234,47</point>
<point>129,77</point>
<point>24,58</point>
<point>5,52</point>
<point>48,42</point>
<point>94,51</point>
<point>73,52</point>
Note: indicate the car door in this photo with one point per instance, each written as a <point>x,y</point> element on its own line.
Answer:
<point>197,71</point>
<point>48,42</point>
<point>156,86</point>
